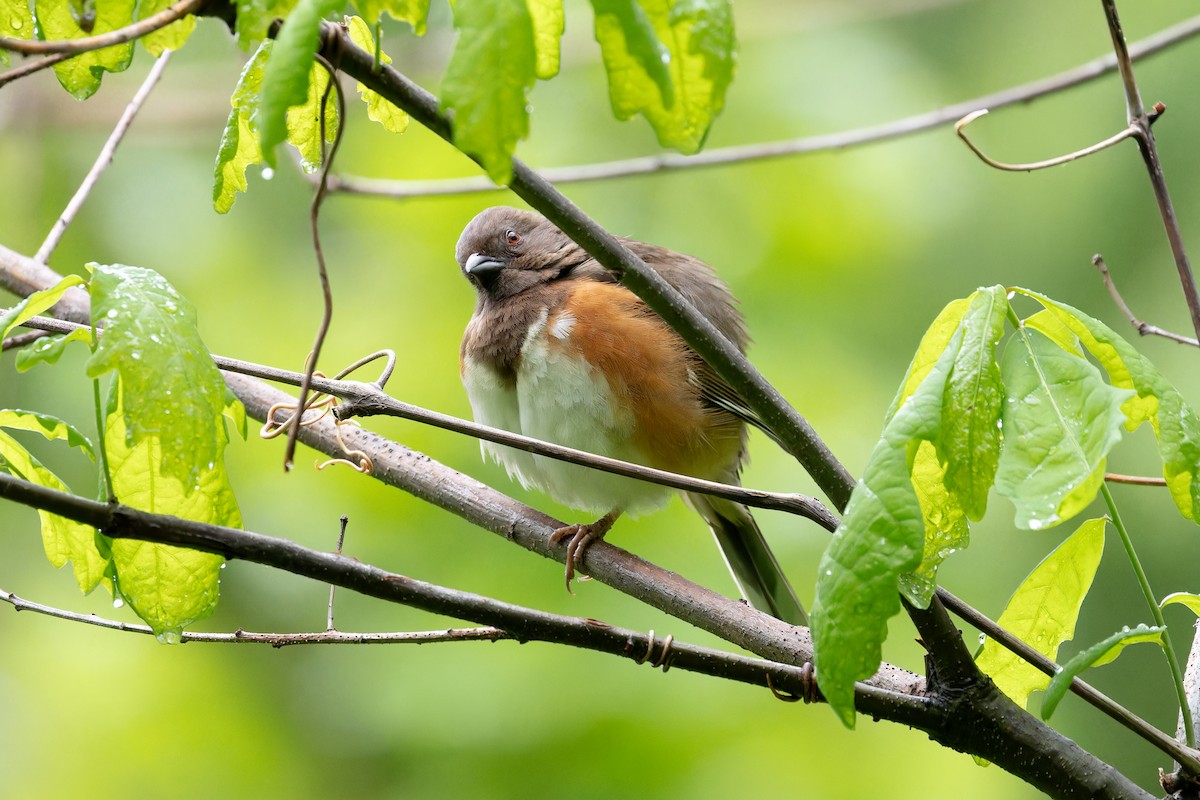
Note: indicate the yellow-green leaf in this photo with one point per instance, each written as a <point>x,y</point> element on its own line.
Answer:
<point>1097,655</point>
<point>547,16</point>
<point>287,81</point>
<point>254,17</point>
<point>670,61</point>
<point>171,390</point>
<point>379,109</point>
<point>239,148</point>
<point>17,21</point>
<point>172,36</point>
<point>63,539</point>
<point>1152,397</point>
<point>1043,611</point>
<point>304,122</point>
<point>1185,599</point>
<point>486,82</point>
<point>946,528</point>
<point>168,587</point>
<point>413,12</point>
<point>1060,421</point>
<point>35,304</point>
<point>59,19</point>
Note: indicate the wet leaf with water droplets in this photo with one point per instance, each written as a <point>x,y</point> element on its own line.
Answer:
<point>1152,398</point>
<point>1060,421</point>
<point>171,389</point>
<point>165,438</point>
<point>1097,655</point>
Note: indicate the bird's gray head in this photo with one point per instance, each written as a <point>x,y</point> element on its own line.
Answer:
<point>504,251</point>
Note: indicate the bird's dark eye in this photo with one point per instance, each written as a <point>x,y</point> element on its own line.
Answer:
<point>512,237</point>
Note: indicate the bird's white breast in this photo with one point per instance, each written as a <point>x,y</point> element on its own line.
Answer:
<point>560,397</point>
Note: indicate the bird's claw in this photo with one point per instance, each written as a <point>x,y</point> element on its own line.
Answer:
<point>579,536</point>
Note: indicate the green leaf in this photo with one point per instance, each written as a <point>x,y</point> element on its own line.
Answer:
<point>1043,610</point>
<point>952,474</point>
<point>239,143</point>
<point>548,23</point>
<point>881,537</point>
<point>1186,599</point>
<point>304,121</point>
<point>17,21</point>
<point>35,304</point>
<point>969,439</point>
<point>379,109</point>
<point>933,344</point>
<point>1175,423</point>
<point>171,390</point>
<point>286,81</point>
<point>254,17</point>
<point>168,587</point>
<point>946,528</point>
<point>57,19</point>
<point>413,12</point>
<point>48,349</point>
<point>1060,420</point>
<point>48,426</point>
<point>491,70</point>
<point>669,62</point>
<point>1097,655</point>
<point>171,37</point>
<point>63,539</point>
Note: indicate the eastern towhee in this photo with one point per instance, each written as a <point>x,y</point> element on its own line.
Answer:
<point>558,350</point>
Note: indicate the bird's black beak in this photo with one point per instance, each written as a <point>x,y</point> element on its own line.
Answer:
<point>483,270</point>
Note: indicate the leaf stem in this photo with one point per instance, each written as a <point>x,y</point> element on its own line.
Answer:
<point>106,484</point>
<point>1172,662</point>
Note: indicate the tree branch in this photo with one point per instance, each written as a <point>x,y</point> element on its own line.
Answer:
<point>119,521</point>
<point>367,399</point>
<point>73,47</point>
<point>724,156</point>
<point>1140,121</point>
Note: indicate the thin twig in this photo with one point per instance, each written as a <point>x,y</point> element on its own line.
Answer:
<point>1134,480</point>
<point>21,340</point>
<point>1137,118</point>
<point>73,47</point>
<point>1035,165</point>
<point>1143,328</point>
<point>790,147</point>
<point>102,160</point>
<point>30,67</point>
<point>366,399</point>
<point>327,155</point>
<point>332,587</point>
<point>485,633</point>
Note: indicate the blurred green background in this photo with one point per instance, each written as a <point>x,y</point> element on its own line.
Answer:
<point>840,260</point>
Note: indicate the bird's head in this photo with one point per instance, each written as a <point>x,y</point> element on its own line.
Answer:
<point>505,251</point>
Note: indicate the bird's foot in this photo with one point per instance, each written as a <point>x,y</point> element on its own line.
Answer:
<point>579,537</point>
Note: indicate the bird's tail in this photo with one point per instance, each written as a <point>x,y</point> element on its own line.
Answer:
<point>751,561</point>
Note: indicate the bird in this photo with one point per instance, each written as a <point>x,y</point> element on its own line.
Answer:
<point>557,349</point>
